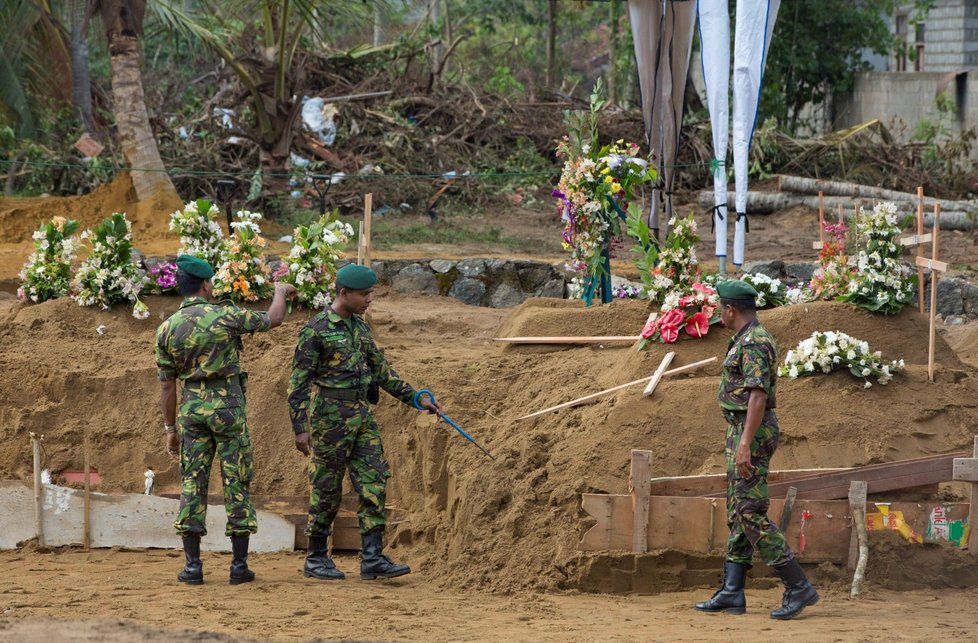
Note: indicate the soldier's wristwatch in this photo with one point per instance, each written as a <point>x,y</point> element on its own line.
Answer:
<point>169,428</point>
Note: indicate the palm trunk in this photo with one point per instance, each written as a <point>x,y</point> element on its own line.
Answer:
<point>81,84</point>
<point>149,176</point>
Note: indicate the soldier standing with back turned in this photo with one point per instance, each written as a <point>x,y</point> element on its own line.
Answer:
<point>747,400</point>
<point>199,345</point>
<point>337,353</point>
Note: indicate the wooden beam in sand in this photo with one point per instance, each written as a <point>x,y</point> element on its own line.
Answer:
<point>595,339</point>
<point>592,396</point>
<point>666,361</point>
<point>966,470</point>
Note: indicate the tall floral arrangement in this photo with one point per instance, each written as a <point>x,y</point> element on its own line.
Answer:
<point>47,273</point>
<point>243,274</point>
<point>669,267</point>
<point>109,275</point>
<point>833,274</point>
<point>826,351</point>
<point>595,188</point>
<point>882,282</point>
<point>200,235</point>
<point>312,262</point>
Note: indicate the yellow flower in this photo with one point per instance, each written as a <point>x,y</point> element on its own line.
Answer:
<point>608,179</point>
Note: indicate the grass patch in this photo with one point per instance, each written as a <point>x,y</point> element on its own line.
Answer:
<point>387,236</point>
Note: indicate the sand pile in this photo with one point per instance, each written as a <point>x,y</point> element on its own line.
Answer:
<point>505,525</point>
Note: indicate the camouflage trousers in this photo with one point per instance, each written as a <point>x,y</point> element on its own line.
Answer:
<point>206,428</point>
<point>747,498</point>
<point>345,436</point>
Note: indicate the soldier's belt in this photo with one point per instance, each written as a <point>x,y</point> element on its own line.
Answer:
<point>348,394</point>
<point>740,416</point>
<point>212,383</point>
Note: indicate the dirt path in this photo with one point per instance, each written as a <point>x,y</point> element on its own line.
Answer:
<point>137,587</point>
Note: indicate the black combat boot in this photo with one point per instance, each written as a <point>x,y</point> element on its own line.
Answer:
<point>374,564</point>
<point>318,564</point>
<point>193,572</point>
<point>798,592</point>
<point>730,597</point>
<point>239,561</point>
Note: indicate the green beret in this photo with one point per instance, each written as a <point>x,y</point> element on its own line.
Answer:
<point>195,267</point>
<point>736,290</point>
<point>355,277</point>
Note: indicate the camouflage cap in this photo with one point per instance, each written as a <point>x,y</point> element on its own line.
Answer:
<point>736,290</point>
<point>195,267</point>
<point>355,277</point>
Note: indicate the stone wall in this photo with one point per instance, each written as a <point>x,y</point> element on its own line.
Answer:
<point>498,283</point>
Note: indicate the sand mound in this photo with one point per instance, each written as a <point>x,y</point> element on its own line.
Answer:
<point>505,525</point>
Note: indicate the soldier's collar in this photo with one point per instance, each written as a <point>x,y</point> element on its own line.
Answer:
<point>193,301</point>
<point>743,330</point>
<point>333,316</point>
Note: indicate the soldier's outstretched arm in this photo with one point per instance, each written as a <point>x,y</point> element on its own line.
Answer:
<point>276,311</point>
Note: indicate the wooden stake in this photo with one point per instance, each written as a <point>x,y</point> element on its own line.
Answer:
<point>587,398</point>
<point>857,506</point>
<point>87,520</point>
<point>966,470</point>
<point>933,295</point>
<point>639,486</point>
<point>789,504</point>
<point>38,488</point>
<point>821,221</point>
<point>920,247</point>
<point>360,245</point>
<point>368,209</point>
<point>666,361</point>
<point>597,339</point>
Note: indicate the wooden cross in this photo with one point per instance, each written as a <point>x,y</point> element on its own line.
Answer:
<point>363,244</point>
<point>966,470</point>
<point>918,240</point>
<point>817,245</point>
<point>936,267</point>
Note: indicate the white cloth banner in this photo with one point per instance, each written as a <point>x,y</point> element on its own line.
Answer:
<point>752,39</point>
<point>662,31</point>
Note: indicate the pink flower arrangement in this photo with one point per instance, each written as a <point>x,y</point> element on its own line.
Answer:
<point>164,276</point>
<point>694,313</point>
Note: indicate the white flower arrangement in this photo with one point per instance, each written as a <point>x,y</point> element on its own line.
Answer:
<point>312,262</point>
<point>200,235</point>
<point>882,282</point>
<point>827,351</point>
<point>770,292</point>
<point>47,273</point>
<point>109,275</point>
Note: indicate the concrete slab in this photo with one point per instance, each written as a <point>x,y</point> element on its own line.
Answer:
<point>130,520</point>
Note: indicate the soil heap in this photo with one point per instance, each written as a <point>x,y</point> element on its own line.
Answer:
<point>467,521</point>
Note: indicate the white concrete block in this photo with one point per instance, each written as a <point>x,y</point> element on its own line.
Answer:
<point>130,520</point>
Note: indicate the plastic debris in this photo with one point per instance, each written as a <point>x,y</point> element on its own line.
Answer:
<point>225,115</point>
<point>318,117</point>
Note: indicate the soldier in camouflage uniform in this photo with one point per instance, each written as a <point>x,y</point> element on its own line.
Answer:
<point>747,400</point>
<point>199,345</point>
<point>336,352</point>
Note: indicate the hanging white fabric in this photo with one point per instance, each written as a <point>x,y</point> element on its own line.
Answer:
<point>752,38</point>
<point>662,31</point>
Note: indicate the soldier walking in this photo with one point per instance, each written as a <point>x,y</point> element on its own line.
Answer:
<point>747,400</point>
<point>337,353</point>
<point>199,345</point>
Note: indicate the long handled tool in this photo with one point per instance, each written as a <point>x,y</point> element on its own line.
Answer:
<point>416,403</point>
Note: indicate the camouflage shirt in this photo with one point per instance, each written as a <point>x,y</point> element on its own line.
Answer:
<point>751,362</point>
<point>338,353</point>
<point>201,341</point>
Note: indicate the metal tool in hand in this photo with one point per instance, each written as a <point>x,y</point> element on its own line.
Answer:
<point>416,403</point>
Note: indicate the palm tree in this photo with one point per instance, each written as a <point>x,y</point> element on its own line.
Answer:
<point>123,23</point>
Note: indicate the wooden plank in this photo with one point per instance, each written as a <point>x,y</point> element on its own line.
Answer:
<point>973,511</point>
<point>663,365</point>
<point>613,522</point>
<point>966,469</point>
<point>707,483</point>
<point>857,509</point>
<point>889,476</point>
<point>931,264</point>
<point>934,277</point>
<point>368,209</point>
<point>920,247</point>
<point>597,339</point>
<point>592,396</point>
<point>914,239</point>
<point>638,487</point>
